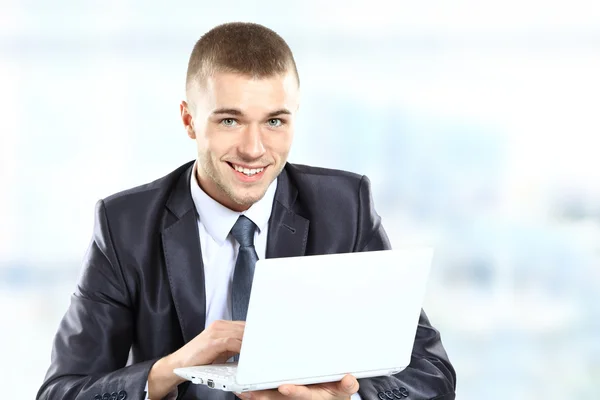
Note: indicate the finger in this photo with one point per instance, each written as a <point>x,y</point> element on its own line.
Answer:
<point>225,325</point>
<point>348,385</point>
<point>222,359</point>
<point>236,331</point>
<point>295,392</point>
<point>263,395</point>
<point>216,348</point>
<point>228,344</point>
<point>221,335</point>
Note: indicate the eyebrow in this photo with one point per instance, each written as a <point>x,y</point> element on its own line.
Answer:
<point>235,111</point>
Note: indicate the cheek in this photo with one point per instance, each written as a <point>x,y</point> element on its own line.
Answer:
<point>202,141</point>
<point>216,144</point>
<point>280,144</point>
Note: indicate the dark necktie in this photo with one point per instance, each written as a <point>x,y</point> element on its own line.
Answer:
<point>243,232</point>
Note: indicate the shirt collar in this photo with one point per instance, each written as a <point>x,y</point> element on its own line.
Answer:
<point>218,219</point>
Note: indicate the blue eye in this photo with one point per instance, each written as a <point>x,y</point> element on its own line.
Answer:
<point>228,122</point>
<point>275,122</point>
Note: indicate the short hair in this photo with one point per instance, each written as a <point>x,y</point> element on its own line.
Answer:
<point>239,47</point>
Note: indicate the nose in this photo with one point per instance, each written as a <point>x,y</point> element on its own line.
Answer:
<point>251,145</point>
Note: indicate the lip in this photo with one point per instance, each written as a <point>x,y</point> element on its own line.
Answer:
<point>245,178</point>
<point>247,166</point>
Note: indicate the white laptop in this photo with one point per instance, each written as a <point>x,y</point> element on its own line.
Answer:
<point>313,319</point>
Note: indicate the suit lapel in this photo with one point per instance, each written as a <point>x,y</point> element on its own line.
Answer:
<point>287,237</point>
<point>183,258</point>
<point>288,230</point>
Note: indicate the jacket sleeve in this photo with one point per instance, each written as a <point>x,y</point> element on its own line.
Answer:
<point>430,374</point>
<point>91,347</point>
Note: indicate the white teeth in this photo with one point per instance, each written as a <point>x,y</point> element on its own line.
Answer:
<point>247,171</point>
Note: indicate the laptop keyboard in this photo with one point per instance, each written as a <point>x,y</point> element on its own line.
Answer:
<point>220,371</point>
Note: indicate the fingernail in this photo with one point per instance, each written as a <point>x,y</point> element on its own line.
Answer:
<point>285,391</point>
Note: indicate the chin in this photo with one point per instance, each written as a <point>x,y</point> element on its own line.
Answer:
<point>246,194</point>
<point>246,198</point>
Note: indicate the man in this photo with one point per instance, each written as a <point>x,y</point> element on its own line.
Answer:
<point>165,281</point>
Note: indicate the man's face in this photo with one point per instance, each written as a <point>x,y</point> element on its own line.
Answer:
<point>243,128</point>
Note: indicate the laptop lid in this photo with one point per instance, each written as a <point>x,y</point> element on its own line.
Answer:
<point>324,315</point>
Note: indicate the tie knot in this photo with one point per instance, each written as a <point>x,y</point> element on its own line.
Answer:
<point>243,231</point>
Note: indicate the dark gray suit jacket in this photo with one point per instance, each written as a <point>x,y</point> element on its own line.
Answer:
<point>141,291</point>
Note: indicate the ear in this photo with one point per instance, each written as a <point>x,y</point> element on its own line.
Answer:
<point>186,118</point>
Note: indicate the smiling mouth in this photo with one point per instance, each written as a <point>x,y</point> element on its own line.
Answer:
<point>246,171</point>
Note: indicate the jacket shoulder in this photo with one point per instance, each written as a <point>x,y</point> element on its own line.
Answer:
<point>301,172</point>
<point>326,185</point>
<point>338,205</point>
<point>307,170</point>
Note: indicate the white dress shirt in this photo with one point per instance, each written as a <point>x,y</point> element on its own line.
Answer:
<point>220,249</point>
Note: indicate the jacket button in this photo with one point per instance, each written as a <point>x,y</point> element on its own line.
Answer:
<point>382,396</point>
<point>122,395</point>
<point>113,396</point>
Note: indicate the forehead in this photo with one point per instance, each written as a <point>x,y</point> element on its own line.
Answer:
<point>226,89</point>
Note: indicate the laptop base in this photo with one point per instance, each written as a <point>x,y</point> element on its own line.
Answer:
<point>223,377</point>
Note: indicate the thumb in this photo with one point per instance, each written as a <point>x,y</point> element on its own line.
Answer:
<point>348,385</point>
<point>222,359</point>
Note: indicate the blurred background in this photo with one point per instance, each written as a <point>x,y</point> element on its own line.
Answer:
<point>476,122</point>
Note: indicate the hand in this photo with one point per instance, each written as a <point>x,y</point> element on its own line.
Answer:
<point>342,390</point>
<point>216,344</point>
